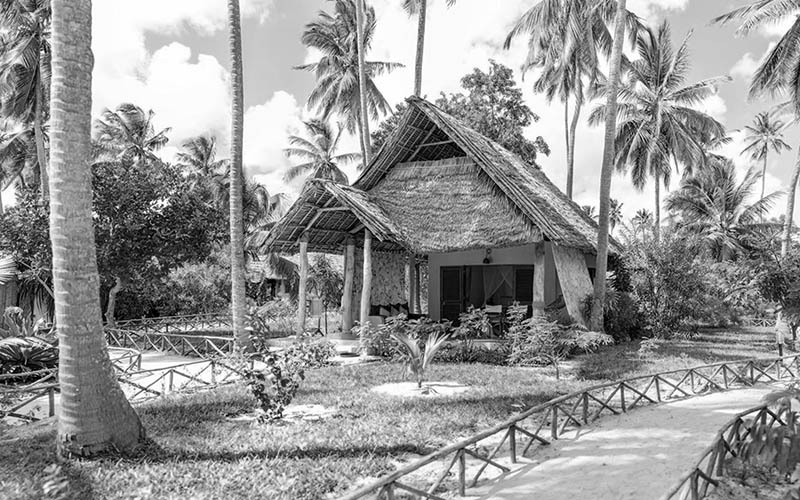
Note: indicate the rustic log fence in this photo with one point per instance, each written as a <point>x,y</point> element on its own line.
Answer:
<point>177,324</point>
<point>541,424</point>
<point>202,346</point>
<point>728,442</point>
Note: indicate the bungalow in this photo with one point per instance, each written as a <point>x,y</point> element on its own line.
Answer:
<point>491,228</point>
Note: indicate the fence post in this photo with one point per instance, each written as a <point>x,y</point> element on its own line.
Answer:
<point>554,423</point>
<point>585,408</point>
<point>622,397</point>
<point>462,473</point>
<point>658,388</point>
<point>512,443</point>
<point>51,401</point>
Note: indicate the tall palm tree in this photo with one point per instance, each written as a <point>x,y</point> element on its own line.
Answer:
<point>607,168</point>
<point>567,41</point>
<point>25,70</point>
<point>366,138</point>
<point>659,122</point>
<point>318,153</point>
<point>419,8</point>
<point>128,134</point>
<point>765,134</point>
<point>94,416</point>
<point>338,72</point>
<point>713,205</point>
<point>615,213</point>
<point>238,296</point>
<point>642,221</point>
<point>777,73</point>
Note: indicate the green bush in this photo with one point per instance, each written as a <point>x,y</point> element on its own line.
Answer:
<point>379,340</point>
<point>622,318</point>
<point>468,351</point>
<point>473,324</point>
<point>276,386</point>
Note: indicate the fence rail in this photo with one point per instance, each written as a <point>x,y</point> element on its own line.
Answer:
<point>540,425</point>
<point>177,324</point>
<point>759,322</point>
<point>729,441</point>
<point>202,346</point>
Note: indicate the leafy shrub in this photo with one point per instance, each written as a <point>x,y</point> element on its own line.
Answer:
<point>276,386</point>
<point>473,324</point>
<point>536,341</point>
<point>671,284</point>
<point>274,319</point>
<point>418,355</point>
<point>28,354</point>
<point>380,341</point>
<point>622,318</point>
<point>19,325</point>
<point>468,351</point>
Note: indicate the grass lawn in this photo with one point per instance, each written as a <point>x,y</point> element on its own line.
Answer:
<point>197,452</point>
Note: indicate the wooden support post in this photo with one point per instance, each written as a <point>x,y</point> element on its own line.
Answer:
<point>412,283</point>
<point>538,279</point>
<point>366,282</point>
<point>347,294</point>
<point>462,473</point>
<point>512,443</point>
<point>302,293</point>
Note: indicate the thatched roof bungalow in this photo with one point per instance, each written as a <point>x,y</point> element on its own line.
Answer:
<point>492,228</point>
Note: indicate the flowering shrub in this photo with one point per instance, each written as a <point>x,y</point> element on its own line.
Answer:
<point>275,386</point>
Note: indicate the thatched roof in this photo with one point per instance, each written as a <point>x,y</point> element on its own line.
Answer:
<point>437,186</point>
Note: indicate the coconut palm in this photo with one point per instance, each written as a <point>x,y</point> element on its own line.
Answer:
<point>659,122</point>
<point>318,153</point>
<point>566,44</point>
<point>615,213</point>
<point>765,134</point>
<point>419,8</point>
<point>25,70</point>
<point>238,297</point>
<point>128,134</point>
<point>606,170</point>
<point>199,156</point>
<point>94,416</point>
<point>713,205</point>
<point>777,73</point>
<point>338,71</point>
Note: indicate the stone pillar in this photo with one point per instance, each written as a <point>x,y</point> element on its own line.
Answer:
<point>302,294</point>
<point>538,279</point>
<point>412,283</point>
<point>347,293</point>
<point>366,282</point>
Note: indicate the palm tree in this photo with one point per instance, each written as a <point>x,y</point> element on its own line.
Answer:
<point>128,134</point>
<point>94,416</point>
<point>615,213</point>
<point>606,170</point>
<point>338,72</point>
<point>567,40</point>
<point>713,205</point>
<point>658,120</point>
<point>199,155</point>
<point>765,134</point>
<point>777,73</point>
<point>419,8</point>
<point>25,70</point>
<point>642,221</point>
<point>318,153</point>
<point>238,297</point>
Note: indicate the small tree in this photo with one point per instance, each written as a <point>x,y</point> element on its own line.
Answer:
<point>418,356</point>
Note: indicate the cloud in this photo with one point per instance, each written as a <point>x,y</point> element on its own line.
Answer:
<point>266,131</point>
<point>715,107</point>
<point>649,9</point>
<point>745,67</point>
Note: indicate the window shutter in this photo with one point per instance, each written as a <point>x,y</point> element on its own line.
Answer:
<point>523,285</point>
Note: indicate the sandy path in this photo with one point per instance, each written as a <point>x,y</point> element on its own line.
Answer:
<point>637,455</point>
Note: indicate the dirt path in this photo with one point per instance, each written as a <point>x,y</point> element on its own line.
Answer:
<point>637,455</point>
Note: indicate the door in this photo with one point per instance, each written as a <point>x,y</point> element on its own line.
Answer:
<point>452,292</point>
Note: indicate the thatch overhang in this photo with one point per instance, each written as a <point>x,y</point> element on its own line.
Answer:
<point>426,133</point>
<point>329,214</point>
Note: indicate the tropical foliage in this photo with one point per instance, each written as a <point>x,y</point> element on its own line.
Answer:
<point>318,153</point>
<point>765,135</point>
<point>419,355</point>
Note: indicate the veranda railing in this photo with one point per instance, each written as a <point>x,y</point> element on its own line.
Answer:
<point>729,442</point>
<point>539,425</point>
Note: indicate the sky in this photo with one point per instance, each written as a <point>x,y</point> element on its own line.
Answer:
<point>172,57</point>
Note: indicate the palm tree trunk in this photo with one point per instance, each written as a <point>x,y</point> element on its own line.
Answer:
<point>763,181</point>
<point>38,134</point>
<point>422,14</point>
<point>786,240</point>
<point>94,416</point>
<point>607,169</point>
<point>112,303</point>
<point>362,81</point>
<point>573,129</point>
<point>567,138</point>
<point>2,208</point>
<point>648,165</point>
<point>238,297</point>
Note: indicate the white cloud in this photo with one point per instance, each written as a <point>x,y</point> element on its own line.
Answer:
<point>745,67</point>
<point>778,29</point>
<point>649,9</point>
<point>714,106</point>
<point>266,130</point>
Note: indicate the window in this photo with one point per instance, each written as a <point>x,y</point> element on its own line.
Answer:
<point>479,286</point>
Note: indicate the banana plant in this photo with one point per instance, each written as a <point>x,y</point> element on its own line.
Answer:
<point>418,358</point>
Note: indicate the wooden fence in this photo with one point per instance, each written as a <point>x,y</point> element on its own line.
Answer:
<point>177,324</point>
<point>730,441</point>
<point>538,426</point>
<point>759,322</point>
<point>202,346</point>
